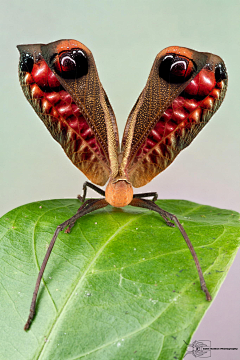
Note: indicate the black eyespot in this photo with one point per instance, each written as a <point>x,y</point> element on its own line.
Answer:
<point>26,62</point>
<point>220,72</point>
<point>176,69</point>
<point>71,64</point>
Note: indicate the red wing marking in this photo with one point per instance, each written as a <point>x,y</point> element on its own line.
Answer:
<point>55,101</point>
<point>61,82</point>
<point>186,110</point>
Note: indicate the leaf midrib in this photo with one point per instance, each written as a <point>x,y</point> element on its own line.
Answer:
<point>146,325</point>
<point>82,278</point>
<point>80,281</point>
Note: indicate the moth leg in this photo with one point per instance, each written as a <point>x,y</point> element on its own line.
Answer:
<point>89,201</point>
<point>86,208</point>
<point>147,204</point>
<point>90,185</point>
<point>82,199</point>
<point>154,194</point>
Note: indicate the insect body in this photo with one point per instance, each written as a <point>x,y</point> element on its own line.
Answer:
<point>183,91</point>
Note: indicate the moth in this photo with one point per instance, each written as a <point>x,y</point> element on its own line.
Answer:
<point>184,89</point>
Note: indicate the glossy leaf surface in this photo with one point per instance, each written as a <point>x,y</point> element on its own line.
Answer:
<point>121,285</point>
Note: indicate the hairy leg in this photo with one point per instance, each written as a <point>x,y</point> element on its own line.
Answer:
<point>86,208</point>
<point>154,194</point>
<point>82,199</point>
<point>147,204</point>
<point>91,186</point>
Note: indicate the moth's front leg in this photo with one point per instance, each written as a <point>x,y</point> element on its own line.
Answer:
<point>154,194</point>
<point>90,185</point>
<point>82,199</point>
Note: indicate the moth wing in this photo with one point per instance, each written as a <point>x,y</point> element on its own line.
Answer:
<point>183,91</point>
<point>61,82</point>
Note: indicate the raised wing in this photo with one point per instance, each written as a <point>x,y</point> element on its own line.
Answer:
<point>183,91</point>
<point>61,82</point>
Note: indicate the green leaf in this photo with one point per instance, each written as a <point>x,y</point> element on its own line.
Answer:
<point>121,285</point>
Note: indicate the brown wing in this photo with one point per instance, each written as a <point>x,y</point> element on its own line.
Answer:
<point>61,82</point>
<point>184,89</point>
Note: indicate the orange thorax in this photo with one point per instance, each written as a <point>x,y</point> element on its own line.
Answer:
<point>119,193</point>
